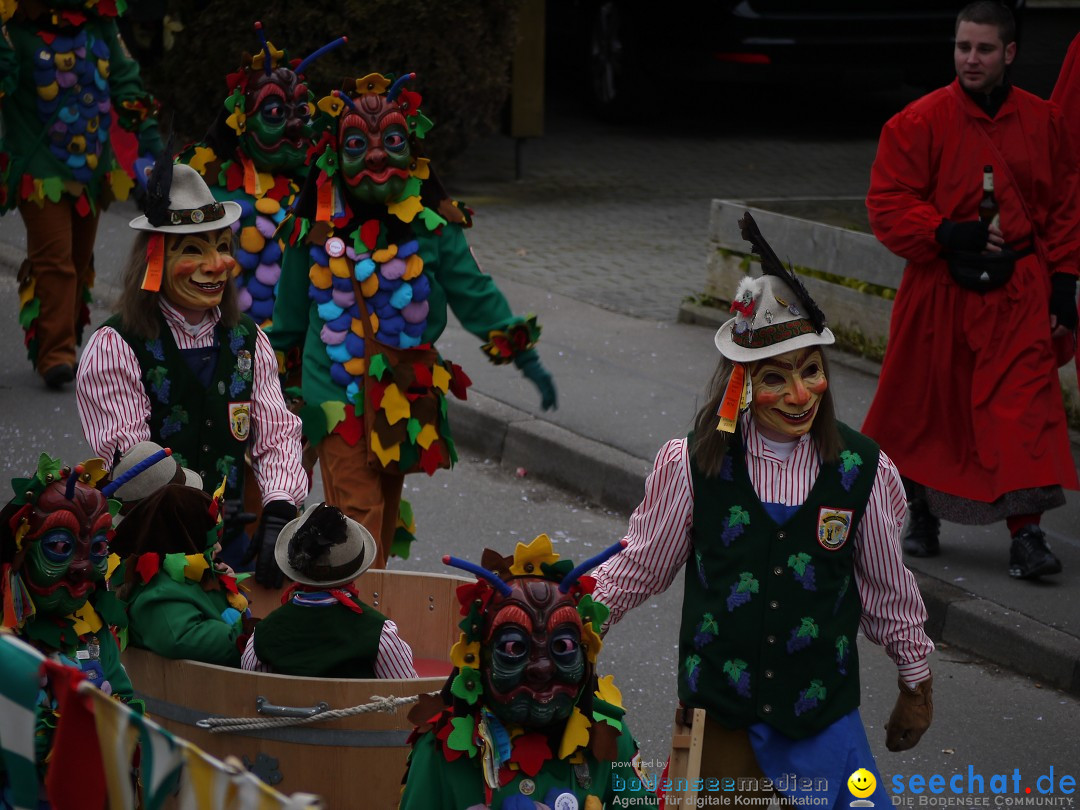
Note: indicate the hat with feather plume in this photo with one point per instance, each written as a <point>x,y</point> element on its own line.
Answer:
<point>774,313</point>
<point>324,548</point>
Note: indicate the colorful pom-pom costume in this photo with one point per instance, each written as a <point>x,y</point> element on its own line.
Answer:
<point>377,254</point>
<point>67,78</point>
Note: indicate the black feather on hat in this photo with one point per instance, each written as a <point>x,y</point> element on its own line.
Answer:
<point>325,528</point>
<point>158,187</point>
<point>772,266</point>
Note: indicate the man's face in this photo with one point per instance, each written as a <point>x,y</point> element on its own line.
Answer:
<point>278,129</point>
<point>981,57</point>
<point>374,150</point>
<point>197,268</point>
<point>67,549</point>
<point>787,390</point>
<point>534,662</point>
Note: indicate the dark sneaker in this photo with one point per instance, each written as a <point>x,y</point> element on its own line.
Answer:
<point>1030,555</point>
<point>58,376</point>
<point>920,537</point>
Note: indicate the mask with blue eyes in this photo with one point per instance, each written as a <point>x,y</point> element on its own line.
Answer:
<point>534,665</point>
<point>66,548</point>
<point>278,130</point>
<point>374,150</point>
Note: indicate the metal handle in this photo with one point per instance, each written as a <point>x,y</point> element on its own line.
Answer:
<point>262,707</point>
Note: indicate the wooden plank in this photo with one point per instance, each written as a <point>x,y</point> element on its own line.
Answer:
<point>808,244</point>
<point>684,763</point>
<point>842,306</point>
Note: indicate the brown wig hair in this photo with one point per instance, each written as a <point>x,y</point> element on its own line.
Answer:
<point>710,445</point>
<point>138,307</point>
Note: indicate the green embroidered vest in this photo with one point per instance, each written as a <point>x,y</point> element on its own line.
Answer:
<point>328,641</point>
<point>770,611</point>
<point>207,427</point>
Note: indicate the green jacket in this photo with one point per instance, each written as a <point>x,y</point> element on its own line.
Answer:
<point>62,87</point>
<point>181,620</point>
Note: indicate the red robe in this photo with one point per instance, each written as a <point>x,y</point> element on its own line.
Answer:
<point>969,402</point>
<point>1067,96</point>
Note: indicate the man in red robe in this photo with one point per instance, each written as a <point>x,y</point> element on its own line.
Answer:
<point>1067,96</point>
<point>969,403</point>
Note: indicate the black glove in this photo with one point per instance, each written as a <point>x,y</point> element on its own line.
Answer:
<point>1063,299</point>
<point>534,371</point>
<point>274,517</point>
<point>963,235</point>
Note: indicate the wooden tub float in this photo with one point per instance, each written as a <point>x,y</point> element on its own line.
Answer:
<point>352,762</point>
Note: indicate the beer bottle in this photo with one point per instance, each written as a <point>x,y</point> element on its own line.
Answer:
<point>988,207</point>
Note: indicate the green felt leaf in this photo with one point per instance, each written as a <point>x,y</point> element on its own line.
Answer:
<point>431,219</point>
<point>29,313</point>
<point>53,188</point>
<point>461,738</point>
<point>414,428</point>
<point>378,366</point>
<point>174,565</point>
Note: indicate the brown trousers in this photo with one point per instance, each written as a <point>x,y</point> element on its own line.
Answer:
<point>369,497</point>
<point>60,252</point>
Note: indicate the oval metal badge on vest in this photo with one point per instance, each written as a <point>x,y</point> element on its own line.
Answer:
<point>833,527</point>
<point>240,420</point>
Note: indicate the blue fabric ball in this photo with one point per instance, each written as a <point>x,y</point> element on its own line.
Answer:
<point>421,288</point>
<point>355,344</point>
<point>249,261</point>
<point>319,296</point>
<point>271,253</point>
<point>339,375</point>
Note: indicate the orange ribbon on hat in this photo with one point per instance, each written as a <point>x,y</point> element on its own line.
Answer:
<point>155,263</point>
<point>734,399</point>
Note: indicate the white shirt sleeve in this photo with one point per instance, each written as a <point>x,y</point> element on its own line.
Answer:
<point>395,658</point>
<point>658,537</point>
<point>275,433</point>
<point>893,612</point>
<point>109,393</point>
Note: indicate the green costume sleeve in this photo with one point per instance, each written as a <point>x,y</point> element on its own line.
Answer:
<point>114,671</point>
<point>178,620</point>
<point>470,292</point>
<point>625,778</point>
<point>292,306</point>
<point>125,83</point>
<point>429,785</point>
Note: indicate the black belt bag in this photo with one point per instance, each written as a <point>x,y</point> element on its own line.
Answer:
<point>983,272</point>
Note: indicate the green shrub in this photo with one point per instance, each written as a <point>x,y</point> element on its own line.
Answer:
<point>460,51</point>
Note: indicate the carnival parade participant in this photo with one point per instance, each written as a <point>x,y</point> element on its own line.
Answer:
<point>179,365</point>
<point>787,522</point>
<point>180,601</point>
<point>322,629</point>
<point>54,559</point>
<point>377,255</point>
<point>65,75</point>
<point>969,401</point>
<point>1067,96</point>
<point>255,155</point>
<point>526,722</point>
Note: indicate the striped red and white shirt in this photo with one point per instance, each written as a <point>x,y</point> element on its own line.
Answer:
<point>394,659</point>
<point>115,410</point>
<point>659,542</point>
